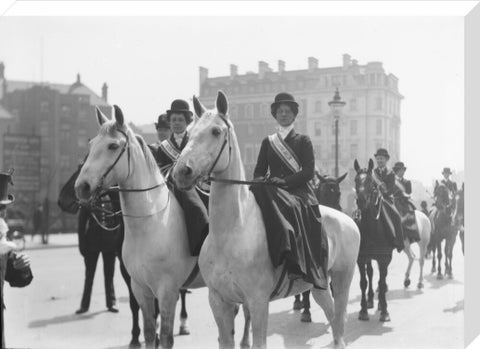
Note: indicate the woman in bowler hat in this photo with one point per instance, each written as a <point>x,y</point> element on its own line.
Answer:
<point>14,267</point>
<point>291,195</point>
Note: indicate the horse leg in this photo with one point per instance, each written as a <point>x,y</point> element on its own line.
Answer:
<point>439,257</point>
<point>167,302</point>
<point>383,263</point>
<point>259,315</point>
<point>297,304</point>
<point>245,343</point>
<point>371,294</point>
<point>147,304</point>
<point>341,281</point>
<point>134,307</point>
<point>363,315</point>
<point>306,316</point>
<point>183,315</point>
<point>423,245</point>
<point>224,314</point>
<point>411,257</point>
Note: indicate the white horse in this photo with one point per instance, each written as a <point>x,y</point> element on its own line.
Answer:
<point>424,230</point>
<point>155,250</point>
<point>234,260</point>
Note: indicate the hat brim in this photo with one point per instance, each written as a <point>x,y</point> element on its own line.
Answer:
<point>447,172</point>
<point>283,102</point>
<point>384,155</point>
<point>10,199</point>
<point>399,168</point>
<point>161,126</point>
<point>180,111</point>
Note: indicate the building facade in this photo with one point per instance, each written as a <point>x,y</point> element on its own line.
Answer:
<point>369,120</point>
<point>63,117</point>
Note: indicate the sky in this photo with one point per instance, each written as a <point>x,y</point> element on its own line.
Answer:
<point>149,61</point>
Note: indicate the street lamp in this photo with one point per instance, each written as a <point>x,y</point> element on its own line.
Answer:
<point>336,105</point>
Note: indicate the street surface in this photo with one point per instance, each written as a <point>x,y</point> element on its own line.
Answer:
<point>42,314</point>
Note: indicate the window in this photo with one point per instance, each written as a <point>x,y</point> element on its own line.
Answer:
<point>66,111</point>
<point>317,150</point>
<point>379,127</point>
<point>353,127</point>
<point>353,104</point>
<point>372,79</point>
<point>249,111</point>
<point>249,154</point>
<point>379,103</point>
<point>44,107</point>
<point>250,129</point>
<point>44,128</point>
<point>353,151</point>
<point>318,129</point>
<point>318,106</point>
<point>264,110</point>
<point>333,129</point>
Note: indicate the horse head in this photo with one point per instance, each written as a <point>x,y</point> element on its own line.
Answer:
<point>365,188</point>
<point>208,150</point>
<point>329,190</point>
<point>108,159</point>
<point>442,195</point>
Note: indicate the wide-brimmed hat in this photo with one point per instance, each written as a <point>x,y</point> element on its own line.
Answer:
<point>282,98</point>
<point>446,170</point>
<point>5,179</point>
<point>399,166</point>
<point>162,121</point>
<point>180,106</point>
<point>382,152</point>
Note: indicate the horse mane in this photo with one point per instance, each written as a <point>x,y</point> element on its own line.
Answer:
<point>112,128</point>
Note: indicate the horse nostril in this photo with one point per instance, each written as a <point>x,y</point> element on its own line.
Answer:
<point>187,170</point>
<point>84,190</point>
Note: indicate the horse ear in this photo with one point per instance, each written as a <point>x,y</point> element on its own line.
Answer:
<point>222,103</point>
<point>118,115</point>
<point>341,178</point>
<point>356,166</point>
<point>199,108</point>
<point>101,118</point>
<point>370,165</point>
<point>320,178</point>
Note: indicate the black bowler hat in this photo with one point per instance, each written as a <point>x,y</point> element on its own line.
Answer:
<point>5,179</point>
<point>162,122</point>
<point>446,170</point>
<point>180,106</point>
<point>283,98</point>
<point>399,166</point>
<point>382,152</point>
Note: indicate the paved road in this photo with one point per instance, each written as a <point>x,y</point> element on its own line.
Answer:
<point>42,315</point>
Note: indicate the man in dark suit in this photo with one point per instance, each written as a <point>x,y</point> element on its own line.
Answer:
<point>403,204</point>
<point>93,240</point>
<point>451,185</point>
<point>385,179</point>
<point>163,132</point>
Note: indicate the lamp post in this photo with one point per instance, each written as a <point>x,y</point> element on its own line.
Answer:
<point>336,105</point>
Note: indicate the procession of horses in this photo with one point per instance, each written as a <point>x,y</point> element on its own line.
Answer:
<point>234,260</point>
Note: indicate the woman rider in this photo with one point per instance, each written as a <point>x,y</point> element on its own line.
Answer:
<point>289,206</point>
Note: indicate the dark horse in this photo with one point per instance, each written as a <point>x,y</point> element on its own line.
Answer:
<point>443,228</point>
<point>374,243</point>
<point>459,215</point>
<point>327,190</point>
<point>69,204</point>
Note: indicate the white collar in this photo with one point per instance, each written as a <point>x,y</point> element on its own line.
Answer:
<point>179,135</point>
<point>284,131</point>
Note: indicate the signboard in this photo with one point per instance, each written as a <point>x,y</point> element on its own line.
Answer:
<point>22,152</point>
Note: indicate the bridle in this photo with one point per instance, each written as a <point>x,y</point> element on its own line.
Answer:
<point>227,140</point>
<point>373,197</point>
<point>100,192</point>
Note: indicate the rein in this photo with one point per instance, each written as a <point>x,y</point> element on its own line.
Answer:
<point>100,192</point>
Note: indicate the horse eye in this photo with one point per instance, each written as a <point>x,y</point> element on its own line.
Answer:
<point>216,132</point>
<point>113,146</point>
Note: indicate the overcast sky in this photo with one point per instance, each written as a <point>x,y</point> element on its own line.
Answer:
<point>149,61</point>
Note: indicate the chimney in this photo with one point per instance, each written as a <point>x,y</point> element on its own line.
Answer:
<point>105,92</point>
<point>78,78</point>
<point>346,60</point>
<point>281,66</point>
<point>312,64</point>
<point>2,70</point>
<point>262,69</point>
<point>203,73</point>
<point>233,71</point>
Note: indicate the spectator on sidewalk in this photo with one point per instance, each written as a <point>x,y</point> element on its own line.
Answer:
<point>93,239</point>
<point>14,267</point>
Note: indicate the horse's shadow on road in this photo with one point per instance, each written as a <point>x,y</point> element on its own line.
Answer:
<point>354,328</point>
<point>436,284</point>
<point>57,320</point>
<point>401,293</point>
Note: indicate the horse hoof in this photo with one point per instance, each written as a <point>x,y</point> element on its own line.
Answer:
<point>306,318</point>
<point>370,304</point>
<point>384,317</point>
<point>134,343</point>
<point>439,277</point>
<point>184,331</point>
<point>363,316</point>
<point>297,305</point>
<point>406,283</point>
<point>420,285</point>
